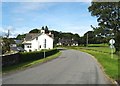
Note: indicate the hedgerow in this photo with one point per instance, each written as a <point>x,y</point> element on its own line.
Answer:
<point>31,56</point>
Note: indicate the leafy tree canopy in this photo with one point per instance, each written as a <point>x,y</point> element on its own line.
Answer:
<point>21,36</point>
<point>107,14</point>
<point>5,45</point>
<point>34,31</point>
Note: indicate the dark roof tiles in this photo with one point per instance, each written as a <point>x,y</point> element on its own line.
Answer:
<point>31,36</point>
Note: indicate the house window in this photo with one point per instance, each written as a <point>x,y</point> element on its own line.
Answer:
<point>44,43</point>
<point>28,46</point>
<point>40,46</point>
<point>36,38</point>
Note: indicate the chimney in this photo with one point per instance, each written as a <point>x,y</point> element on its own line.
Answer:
<point>43,31</point>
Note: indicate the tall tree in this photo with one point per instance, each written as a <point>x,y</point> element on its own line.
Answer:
<point>46,29</point>
<point>43,28</point>
<point>108,17</point>
<point>5,45</point>
<point>21,37</point>
<point>34,31</point>
<point>90,37</point>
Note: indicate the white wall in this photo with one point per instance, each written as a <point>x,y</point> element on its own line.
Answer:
<point>35,44</point>
<point>49,41</point>
<point>25,47</point>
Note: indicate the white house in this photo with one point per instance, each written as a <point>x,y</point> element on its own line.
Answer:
<point>36,42</point>
<point>67,42</point>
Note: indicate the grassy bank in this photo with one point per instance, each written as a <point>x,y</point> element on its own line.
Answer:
<point>103,56</point>
<point>29,64</point>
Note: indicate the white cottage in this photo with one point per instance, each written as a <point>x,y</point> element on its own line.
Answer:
<point>36,42</point>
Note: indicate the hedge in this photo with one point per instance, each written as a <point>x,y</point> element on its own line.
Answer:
<point>31,56</point>
<point>21,57</point>
<point>11,59</point>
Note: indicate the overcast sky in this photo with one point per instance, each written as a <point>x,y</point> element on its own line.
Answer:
<point>21,17</point>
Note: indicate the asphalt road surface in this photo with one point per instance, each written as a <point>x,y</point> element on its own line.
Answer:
<point>72,67</point>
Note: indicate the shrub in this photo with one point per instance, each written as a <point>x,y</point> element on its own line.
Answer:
<point>31,56</point>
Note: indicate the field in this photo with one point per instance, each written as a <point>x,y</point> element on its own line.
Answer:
<point>104,48</point>
<point>102,53</point>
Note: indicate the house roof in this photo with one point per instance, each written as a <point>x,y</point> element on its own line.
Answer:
<point>18,41</point>
<point>31,36</point>
<point>17,48</point>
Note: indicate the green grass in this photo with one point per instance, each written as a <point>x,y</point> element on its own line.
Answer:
<point>104,48</point>
<point>28,64</point>
<point>97,45</point>
<point>99,49</point>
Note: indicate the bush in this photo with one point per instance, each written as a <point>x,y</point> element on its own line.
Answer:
<point>31,56</point>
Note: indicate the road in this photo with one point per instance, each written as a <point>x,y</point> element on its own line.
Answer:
<point>71,67</point>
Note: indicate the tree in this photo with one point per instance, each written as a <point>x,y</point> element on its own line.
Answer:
<point>76,37</point>
<point>5,45</point>
<point>34,31</point>
<point>91,37</point>
<point>43,28</point>
<point>108,17</point>
<point>100,31</point>
<point>21,37</point>
<point>66,36</point>
<point>46,29</point>
<point>102,35</point>
<point>82,41</point>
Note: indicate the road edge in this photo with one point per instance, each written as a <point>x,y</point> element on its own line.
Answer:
<point>101,67</point>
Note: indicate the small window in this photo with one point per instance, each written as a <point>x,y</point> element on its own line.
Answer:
<point>45,43</point>
<point>36,38</point>
<point>30,50</point>
<point>40,46</point>
<point>28,46</point>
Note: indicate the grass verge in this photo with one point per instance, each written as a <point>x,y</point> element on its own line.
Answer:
<point>28,64</point>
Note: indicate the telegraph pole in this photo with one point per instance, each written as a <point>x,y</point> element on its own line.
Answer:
<point>44,46</point>
<point>8,33</point>
<point>44,53</point>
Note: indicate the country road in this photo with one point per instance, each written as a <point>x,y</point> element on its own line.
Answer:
<point>71,67</point>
